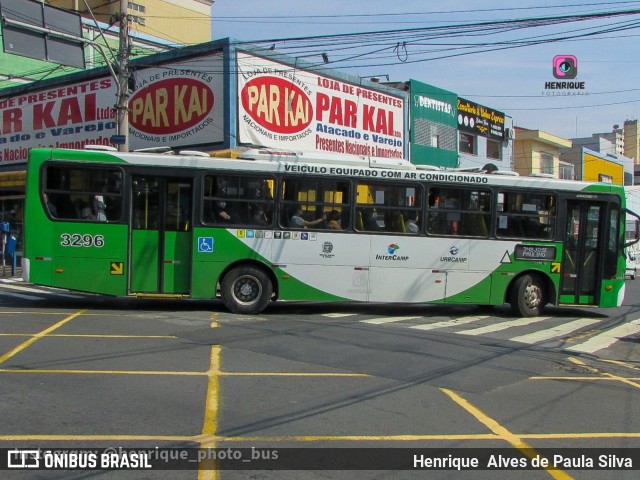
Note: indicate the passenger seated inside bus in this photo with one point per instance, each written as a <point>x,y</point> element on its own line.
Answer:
<point>334,220</point>
<point>99,208</point>
<point>258,215</point>
<point>220,213</point>
<point>394,222</point>
<point>410,223</point>
<point>297,219</point>
<point>53,210</point>
<point>369,217</point>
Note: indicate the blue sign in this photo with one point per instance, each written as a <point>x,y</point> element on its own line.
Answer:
<point>205,244</point>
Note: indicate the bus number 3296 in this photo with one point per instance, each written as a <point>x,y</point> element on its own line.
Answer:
<point>79,240</point>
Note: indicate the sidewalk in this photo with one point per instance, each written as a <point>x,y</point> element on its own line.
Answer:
<point>6,272</point>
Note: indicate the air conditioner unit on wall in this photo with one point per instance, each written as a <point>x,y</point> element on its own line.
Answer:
<point>509,134</point>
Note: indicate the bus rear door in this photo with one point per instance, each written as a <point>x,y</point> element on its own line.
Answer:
<point>585,247</point>
<point>160,241</point>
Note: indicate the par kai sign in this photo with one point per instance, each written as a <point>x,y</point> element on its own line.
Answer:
<point>176,104</point>
<point>284,107</point>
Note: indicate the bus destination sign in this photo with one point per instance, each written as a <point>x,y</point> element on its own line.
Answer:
<point>545,253</point>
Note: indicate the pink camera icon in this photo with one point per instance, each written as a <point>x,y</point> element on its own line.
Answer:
<point>565,66</point>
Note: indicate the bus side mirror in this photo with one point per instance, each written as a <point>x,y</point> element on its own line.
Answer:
<point>631,235</point>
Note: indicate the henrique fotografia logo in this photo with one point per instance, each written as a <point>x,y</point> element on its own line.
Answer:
<point>565,67</point>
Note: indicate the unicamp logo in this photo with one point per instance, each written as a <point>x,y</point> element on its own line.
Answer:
<point>565,68</point>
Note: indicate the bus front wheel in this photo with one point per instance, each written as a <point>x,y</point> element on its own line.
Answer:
<point>246,290</point>
<point>527,296</point>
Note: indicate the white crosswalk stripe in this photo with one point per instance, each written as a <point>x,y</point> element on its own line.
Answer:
<point>448,323</point>
<point>554,332</point>
<point>607,338</point>
<point>23,292</point>
<point>492,325</point>
<point>496,327</point>
<point>382,320</point>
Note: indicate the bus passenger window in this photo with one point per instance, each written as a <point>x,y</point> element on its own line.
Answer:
<point>315,203</point>
<point>71,193</point>
<point>459,211</point>
<point>528,215</point>
<point>245,200</point>
<point>388,207</point>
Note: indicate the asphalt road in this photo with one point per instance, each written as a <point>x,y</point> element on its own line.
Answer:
<point>80,371</point>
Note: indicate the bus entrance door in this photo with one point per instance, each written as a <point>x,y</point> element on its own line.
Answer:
<point>160,249</point>
<point>581,272</point>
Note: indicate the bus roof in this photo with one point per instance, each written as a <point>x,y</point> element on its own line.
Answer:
<point>278,161</point>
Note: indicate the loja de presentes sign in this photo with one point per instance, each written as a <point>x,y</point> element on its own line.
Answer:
<point>178,104</point>
<point>284,107</point>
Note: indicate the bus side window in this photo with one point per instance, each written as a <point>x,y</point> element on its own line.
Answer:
<point>71,193</point>
<point>524,214</point>
<point>315,203</point>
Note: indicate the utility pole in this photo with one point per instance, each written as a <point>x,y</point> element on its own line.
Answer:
<point>122,105</point>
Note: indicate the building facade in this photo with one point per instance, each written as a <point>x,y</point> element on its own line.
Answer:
<point>538,152</point>
<point>181,22</point>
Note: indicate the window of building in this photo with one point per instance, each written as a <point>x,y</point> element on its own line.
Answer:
<point>526,215</point>
<point>459,211</point>
<point>494,149</point>
<point>567,171</point>
<point>245,200</point>
<point>136,7</point>
<point>315,204</point>
<point>468,143</point>
<point>546,163</point>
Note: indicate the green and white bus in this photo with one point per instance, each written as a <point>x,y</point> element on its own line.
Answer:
<point>277,225</point>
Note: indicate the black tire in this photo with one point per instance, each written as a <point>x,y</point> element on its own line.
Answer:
<point>246,290</point>
<point>528,296</point>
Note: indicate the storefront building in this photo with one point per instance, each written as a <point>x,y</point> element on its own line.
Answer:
<point>208,97</point>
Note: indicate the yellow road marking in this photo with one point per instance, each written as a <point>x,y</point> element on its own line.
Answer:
<point>88,335</point>
<point>589,379</point>
<point>502,432</point>
<point>205,439</point>
<point>604,374</point>
<point>207,470</point>
<point>88,438</point>
<point>38,336</point>
<point>170,372</point>
<point>21,312</point>
<point>107,372</point>
<point>622,364</point>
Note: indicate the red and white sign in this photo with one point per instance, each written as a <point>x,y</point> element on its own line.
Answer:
<point>176,104</point>
<point>284,107</point>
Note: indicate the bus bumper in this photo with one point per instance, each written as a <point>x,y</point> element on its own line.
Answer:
<point>25,269</point>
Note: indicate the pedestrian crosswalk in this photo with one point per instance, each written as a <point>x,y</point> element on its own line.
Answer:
<point>529,331</point>
<point>570,332</point>
<point>13,287</point>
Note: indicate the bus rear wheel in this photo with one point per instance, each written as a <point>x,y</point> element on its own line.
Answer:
<point>528,296</point>
<point>246,290</point>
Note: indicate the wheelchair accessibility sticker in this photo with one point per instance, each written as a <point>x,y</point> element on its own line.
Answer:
<point>205,244</point>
